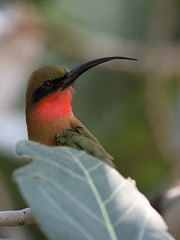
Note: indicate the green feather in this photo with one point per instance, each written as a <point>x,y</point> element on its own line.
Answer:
<point>80,139</point>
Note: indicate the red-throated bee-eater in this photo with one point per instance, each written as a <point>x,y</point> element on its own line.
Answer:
<point>49,115</point>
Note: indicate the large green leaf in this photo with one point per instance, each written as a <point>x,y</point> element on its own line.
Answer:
<point>76,196</point>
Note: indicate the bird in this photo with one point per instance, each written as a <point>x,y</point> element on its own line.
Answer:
<point>49,117</point>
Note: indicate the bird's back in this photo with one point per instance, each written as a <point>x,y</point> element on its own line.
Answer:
<point>80,138</point>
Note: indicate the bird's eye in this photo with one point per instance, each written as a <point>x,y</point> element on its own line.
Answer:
<point>48,83</point>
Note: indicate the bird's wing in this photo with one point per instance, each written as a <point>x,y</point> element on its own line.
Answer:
<point>81,139</point>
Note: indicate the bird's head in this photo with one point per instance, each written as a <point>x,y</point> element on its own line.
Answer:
<point>43,82</point>
<point>49,89</point>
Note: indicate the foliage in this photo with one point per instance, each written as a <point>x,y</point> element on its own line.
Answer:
<point>76,196</point>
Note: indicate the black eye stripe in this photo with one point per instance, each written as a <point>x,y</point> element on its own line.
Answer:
<point>47,88</point>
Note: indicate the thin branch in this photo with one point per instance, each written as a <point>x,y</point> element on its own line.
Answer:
<point>16,218</point>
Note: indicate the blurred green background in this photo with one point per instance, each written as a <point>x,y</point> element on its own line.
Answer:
<point>133,108</point>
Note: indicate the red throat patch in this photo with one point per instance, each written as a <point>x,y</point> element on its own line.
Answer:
<point>55,105</point>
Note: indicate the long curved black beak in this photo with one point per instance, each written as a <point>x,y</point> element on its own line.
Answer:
<point>71,76</point>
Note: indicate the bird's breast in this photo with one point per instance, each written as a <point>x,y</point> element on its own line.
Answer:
<point>45,131</point>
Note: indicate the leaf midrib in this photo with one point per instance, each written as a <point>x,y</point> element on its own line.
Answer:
<point>102,207</point>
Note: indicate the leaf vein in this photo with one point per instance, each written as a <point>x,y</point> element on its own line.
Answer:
<point>99,201</point>
<point>120,219</point>
<point>114,193</point>
<point>76,201</point>
<point>68,217</point>
<point>143,227</point>
<point>91,169</point>
<point>67,170</point>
